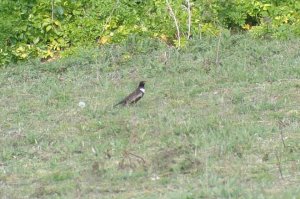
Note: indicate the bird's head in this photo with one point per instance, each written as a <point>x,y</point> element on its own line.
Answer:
<point>142,84</point>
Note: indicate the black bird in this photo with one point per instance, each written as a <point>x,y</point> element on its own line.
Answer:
<point>134,96</point>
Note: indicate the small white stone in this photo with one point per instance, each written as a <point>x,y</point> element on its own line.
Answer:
<point>155,177</point>
<point>81,104</point>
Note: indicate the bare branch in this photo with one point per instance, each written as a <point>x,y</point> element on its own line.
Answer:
<point>279,164</point>
<point>175,20</point>
<point>52,9</point>
<point>189,19</point>
<point>137,156</point>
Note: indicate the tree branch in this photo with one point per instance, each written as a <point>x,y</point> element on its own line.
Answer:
<point>52,9</point>
<point>175,20</point>
<point>189,19</point>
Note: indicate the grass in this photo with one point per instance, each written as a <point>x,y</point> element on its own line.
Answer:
<point>202,130</point>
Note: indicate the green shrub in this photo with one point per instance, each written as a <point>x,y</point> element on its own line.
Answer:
<point>43,28</point>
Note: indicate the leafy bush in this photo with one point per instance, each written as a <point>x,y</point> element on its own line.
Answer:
<point>43,28</point>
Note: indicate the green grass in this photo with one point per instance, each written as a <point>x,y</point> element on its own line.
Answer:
<point>202,130</point>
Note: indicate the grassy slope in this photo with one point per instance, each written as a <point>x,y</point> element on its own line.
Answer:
<point>205,130</point>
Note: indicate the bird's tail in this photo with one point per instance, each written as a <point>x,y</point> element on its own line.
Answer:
<point>121,102</point>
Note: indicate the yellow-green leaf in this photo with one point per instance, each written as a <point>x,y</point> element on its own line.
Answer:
<point>36,40</point>
<point>48,28</point>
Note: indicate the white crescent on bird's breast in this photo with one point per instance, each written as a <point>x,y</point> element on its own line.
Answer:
<point>142,89</point>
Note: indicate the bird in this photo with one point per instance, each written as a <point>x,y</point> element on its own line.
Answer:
<point>134,96</point>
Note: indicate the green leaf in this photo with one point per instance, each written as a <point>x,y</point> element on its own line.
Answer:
<point>36,40</point>
<point>57,23</point>
<point>48,28</point>
<point>60,10</point>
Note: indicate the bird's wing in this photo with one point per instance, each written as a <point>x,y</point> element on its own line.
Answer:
<point>134,96</point>
<point>131,98</point>
<point>126,100</point>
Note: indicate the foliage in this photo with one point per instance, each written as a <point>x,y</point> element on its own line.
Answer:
<point>43,28</point>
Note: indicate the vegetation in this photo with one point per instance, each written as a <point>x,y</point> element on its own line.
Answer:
<point>43,28</point>
<point>220,119</point>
